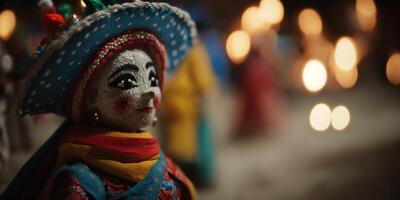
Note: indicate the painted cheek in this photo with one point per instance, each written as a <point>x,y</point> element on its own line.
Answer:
<point>156,101</point>
<point>123,104</point>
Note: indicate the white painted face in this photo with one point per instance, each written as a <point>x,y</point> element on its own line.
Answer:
<point>127,93</point>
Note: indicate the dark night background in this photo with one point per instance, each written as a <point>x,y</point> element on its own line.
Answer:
<point>296,162</point>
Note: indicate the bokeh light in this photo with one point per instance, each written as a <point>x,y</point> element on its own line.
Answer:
<point>272,11</point>
<point>238,46</point>
<point>346,79</point>
<point>340,117</point>
<point>393,69</point>
<point>6,63</point>
<point>7,24</point>
<point>252,21</point>
<point>320,117</point>
<point>314,76</point>
<point>366,14</point>
<point>310,22</point>
<point>345,53</point>
<point>83,4</point>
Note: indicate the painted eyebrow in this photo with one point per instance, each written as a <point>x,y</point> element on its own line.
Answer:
<point>122,68</point>
<point>149,64</point>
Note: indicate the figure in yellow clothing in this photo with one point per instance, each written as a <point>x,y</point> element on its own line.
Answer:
<point>185,132</point>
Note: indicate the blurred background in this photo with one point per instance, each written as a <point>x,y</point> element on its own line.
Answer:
<point>280,99</point>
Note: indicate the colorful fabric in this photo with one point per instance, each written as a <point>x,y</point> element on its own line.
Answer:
<point>67,186</point>
<point>118,154</point>
<point>174,170</point>
<point>39,170</point>
<point>137,146</point>
<point>94,185</point>
<point>125,155</point>
<point>170,188</point>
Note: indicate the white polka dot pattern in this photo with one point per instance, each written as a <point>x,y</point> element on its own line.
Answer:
<point>173,26</point>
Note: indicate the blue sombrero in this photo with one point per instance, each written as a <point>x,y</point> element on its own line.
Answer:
<point>54,72</point>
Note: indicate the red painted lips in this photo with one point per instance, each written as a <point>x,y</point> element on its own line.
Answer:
<point>146,109</point>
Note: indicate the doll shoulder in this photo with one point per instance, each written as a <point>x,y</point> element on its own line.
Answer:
<point>78,181</point>
<point>187,187</point>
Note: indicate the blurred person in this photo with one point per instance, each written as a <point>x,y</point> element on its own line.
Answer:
<point>185,129</point>
<point>205,68</point>
<point>258,98</point>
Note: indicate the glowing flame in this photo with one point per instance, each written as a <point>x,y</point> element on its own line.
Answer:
<point>314,75</point>
<point>366,14</point>
<point>238,46</point>
<point>346,53</point>
<point>393,69</point>
<point>320,117</point>
<point>310,22</point>
<point>272,11</point>
<point>340,118</point>
<point>7,24</point>
<point>252,20</point>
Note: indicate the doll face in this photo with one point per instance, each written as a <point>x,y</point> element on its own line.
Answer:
<point>127,92</point>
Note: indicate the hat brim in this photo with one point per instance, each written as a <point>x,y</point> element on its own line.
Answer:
<point>49,79</point>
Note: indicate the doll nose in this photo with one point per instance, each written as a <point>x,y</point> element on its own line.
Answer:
<point>148,95</point>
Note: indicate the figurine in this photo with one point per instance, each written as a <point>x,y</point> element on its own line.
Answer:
<point>104,73</point>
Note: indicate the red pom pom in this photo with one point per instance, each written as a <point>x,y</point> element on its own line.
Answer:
<point>53,21</point>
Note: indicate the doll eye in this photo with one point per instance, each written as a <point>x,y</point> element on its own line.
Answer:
<point>124,82</point>
<point>153,79</point>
